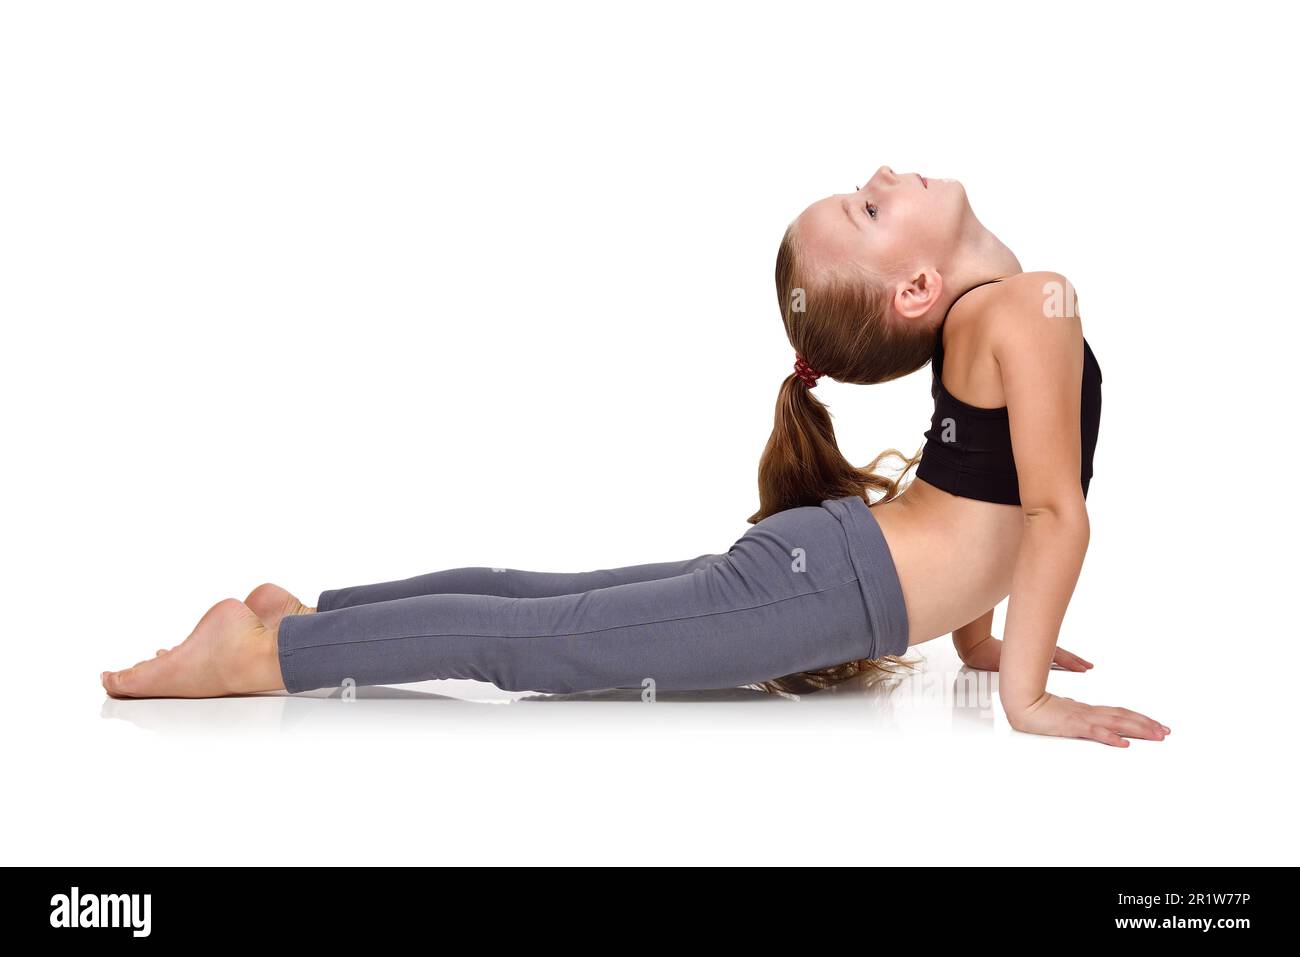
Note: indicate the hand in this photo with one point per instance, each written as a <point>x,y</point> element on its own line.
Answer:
<point>1068,718</point>
<point>986,654</point>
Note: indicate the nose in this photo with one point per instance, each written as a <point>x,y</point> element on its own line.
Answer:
<point>884,176</point>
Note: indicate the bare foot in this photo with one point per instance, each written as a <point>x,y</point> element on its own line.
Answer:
<point>229,652</point>
<point>271,603</point>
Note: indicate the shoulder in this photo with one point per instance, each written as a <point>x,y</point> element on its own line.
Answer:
<point>1034,312</point>
<point>1043,294</point>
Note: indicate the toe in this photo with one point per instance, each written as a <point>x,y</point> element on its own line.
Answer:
<point>157,677</point>
<point>115,683</point>
<point>214,660</point>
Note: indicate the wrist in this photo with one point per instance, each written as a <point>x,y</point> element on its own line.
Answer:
<point>966,651</point>
<point>1018,709</point>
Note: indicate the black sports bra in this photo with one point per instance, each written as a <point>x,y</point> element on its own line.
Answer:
<point>968,448</point>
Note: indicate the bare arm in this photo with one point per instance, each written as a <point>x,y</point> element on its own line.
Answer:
<point>1041,361</point>
<point>1040,357</point>
<point>978,649</point>
<point>968,638</point>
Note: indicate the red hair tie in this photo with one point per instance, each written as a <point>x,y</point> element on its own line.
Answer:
<point>806,373</point>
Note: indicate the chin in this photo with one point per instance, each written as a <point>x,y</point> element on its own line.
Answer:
<point>960,201</point>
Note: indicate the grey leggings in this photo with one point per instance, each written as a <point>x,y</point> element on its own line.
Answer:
<point>807,588</point>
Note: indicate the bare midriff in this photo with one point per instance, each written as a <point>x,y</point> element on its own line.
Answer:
<point>954,556</point>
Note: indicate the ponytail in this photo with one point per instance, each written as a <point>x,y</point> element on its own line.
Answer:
<point>838,320</point>
<point>802,463</point>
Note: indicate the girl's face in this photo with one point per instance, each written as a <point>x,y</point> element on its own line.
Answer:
<point>895,225</point>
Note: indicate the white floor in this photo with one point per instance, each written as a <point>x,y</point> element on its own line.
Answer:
<point>922,770</point>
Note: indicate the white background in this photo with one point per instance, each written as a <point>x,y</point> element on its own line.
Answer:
<point>328,293</point>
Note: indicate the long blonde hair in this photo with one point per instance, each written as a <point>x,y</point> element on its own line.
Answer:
<point>838,321</point>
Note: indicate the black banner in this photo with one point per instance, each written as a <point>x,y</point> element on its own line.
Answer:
<point>1173,907</point>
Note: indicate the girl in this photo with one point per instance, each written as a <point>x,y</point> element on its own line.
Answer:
<point>827,583</point>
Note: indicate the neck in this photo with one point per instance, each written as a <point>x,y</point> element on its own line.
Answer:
<point>981,257</point>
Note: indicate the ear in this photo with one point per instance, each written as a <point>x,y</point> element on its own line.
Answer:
<point>915,297</point>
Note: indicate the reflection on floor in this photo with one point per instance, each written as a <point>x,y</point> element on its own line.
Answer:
<point>963,698</point>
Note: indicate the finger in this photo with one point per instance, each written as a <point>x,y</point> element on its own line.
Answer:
<point>1105,735</point>
<point>1126,713</point>
<point>1068,661</point>
<point>1134,727</point>
<point>1158,724</point>
<point>1071,656</point>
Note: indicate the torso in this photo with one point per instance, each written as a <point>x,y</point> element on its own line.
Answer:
<point>968,448</point>
<point>955,556</point>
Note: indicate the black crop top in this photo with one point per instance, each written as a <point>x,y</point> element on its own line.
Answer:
<point>968,448</point>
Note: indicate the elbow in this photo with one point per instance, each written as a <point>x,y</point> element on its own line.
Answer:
<point>1066,517</point>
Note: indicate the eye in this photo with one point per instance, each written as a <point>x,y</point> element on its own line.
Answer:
<point>871,209</point>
